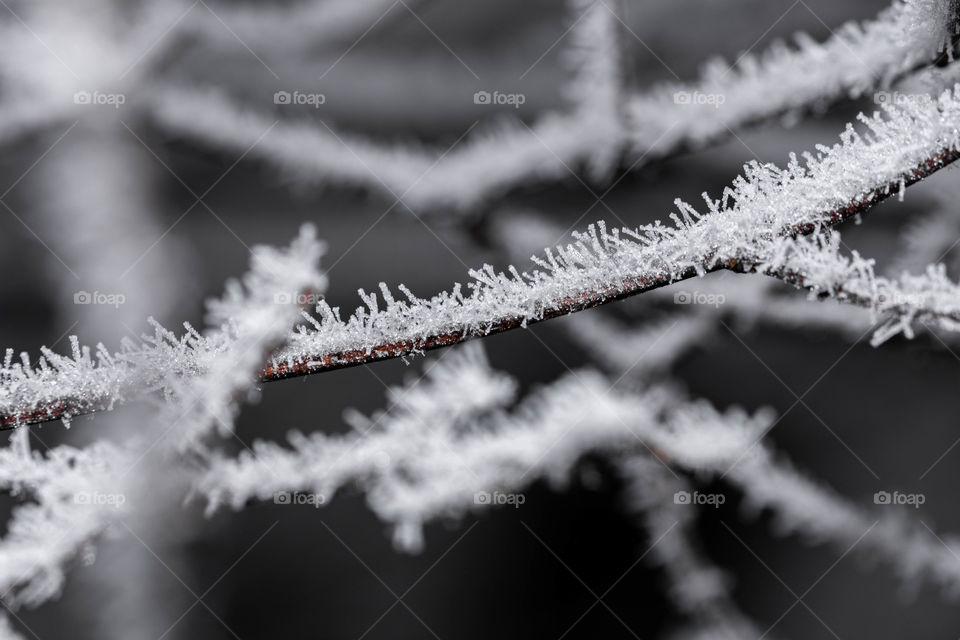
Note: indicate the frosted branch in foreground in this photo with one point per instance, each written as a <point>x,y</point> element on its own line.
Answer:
<point>817,265</point>
<point>749,226</point>
<point>251,319</point>
<point>745,300</point>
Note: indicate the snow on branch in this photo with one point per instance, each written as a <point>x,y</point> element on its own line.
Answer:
<point>253,317</point>
<point>70,503</point>
<point>802,506</point>
<point>76,495</point>
<point>857,59</point>
<point>597,89</point>
<point>447,439</point>
<point>750,225</point>
<point>695,585</point>
<point>816,264</point>
<point>750,228</point>
<point>451,425</point>
<point>607,120</point>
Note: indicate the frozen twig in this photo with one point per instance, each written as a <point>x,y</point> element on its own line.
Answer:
<point>753,227</point>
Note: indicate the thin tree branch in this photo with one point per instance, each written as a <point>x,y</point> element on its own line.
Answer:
<point>279,369</point>
<point>589,299</point>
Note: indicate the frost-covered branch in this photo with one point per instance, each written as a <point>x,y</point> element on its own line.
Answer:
<point>76,495</point>
<point>801,506</point>
<point>817,265</point>
<point>453,425</point>
<point>253,317</point>
<point>858,59</point>
<point>64,515</point>
<point>447,439</point>
<point>695,585</point>
<point>750,228</point>
<point>747,228</point>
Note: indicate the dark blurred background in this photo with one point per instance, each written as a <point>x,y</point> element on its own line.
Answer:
<point>295,572</point>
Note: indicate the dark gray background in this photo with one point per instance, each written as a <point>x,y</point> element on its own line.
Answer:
<point>895,406</point>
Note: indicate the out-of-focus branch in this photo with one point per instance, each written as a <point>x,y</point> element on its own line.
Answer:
<point>642,127</point>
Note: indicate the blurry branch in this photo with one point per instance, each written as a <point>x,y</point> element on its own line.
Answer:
<point>19,119</point>
<point>61,518</point>
<point>695,586</point>
<point>607,124</point>
<point>934,237</point>
<point>288,26</point>
<point>857,60</point>
<point>449,437</point>
<point>78,495</point>
<point>756,226</point>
